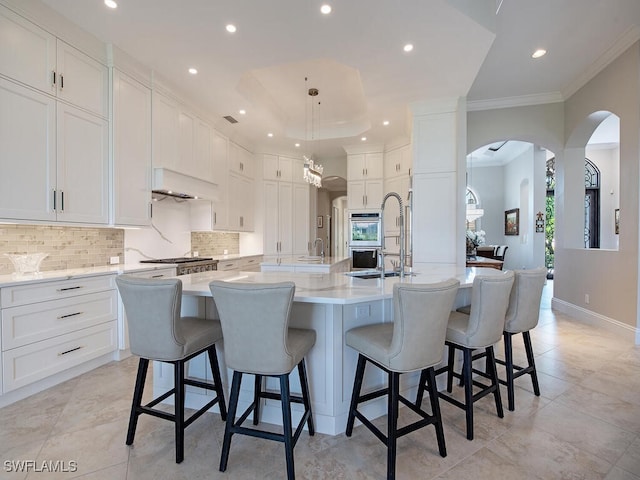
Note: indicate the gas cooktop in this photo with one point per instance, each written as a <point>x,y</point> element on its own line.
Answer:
<point>177,260</point>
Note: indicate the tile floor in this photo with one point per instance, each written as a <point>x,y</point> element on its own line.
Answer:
<point>586,425</point>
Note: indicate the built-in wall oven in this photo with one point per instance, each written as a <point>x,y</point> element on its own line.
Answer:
<point>365,239</point>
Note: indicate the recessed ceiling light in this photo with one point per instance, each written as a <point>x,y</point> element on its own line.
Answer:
<point>539,53</point>
<point>193,71</point>
<point>297,145</point>
<point>408,47</point>
<point>385,123</point>
<point>364,139</point>
<point>231,28</point>
<point>242,111</point>
<point>111,3</point>
<point>269,134</point>
<point>326,9</point>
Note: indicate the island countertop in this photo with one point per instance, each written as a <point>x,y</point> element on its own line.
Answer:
<point>332,288</point>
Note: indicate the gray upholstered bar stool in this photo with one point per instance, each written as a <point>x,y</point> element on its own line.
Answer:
<point>414,341</point>
<point>522,316</point>
<point>158,332</point>
<point>258,340</point>
<point>480,329</point>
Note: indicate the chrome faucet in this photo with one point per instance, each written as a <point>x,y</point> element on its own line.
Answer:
<point>315,242</point>
<point>402,252</point>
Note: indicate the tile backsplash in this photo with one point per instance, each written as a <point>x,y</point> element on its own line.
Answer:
<point>67,247</point>
<point>215,243</point>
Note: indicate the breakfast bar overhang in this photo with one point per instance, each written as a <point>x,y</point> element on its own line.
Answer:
<point>330,304</point>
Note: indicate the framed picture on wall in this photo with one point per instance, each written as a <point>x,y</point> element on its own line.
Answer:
<point>617,220</point>
<point>512,222</point>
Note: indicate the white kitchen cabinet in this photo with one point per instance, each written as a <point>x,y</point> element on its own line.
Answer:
<point>241,161</point>
<point>400,185</point>
<point>241,203</point>
<point>220,156</point>
<point>364,166</point>
<point>131,151</point>
<point>82,183</point>
<point>57,165</point>
<point>34,57</point>
<point>27,153</point>
<point>286,228</point>
<point>52,326</point>
<point>397,162</point>
<point>365,194</point>
<point>166,113</point>
<point>186,142</point>
<point>203,152</point>
<point>277,168</point>
<point>297,171</point>
<point>301,220</point>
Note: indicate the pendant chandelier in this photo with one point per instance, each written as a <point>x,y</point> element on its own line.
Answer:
<point>312,171</point>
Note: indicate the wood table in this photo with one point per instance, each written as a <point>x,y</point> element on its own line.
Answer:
<point>484,262</point>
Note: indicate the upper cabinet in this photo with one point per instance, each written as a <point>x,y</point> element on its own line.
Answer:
<point>397,162</point>
<point>364,166</point>
<point>166,114</point>
<point>131,151</point>
<point>241,161</point>
<point>278,168</point>
<point>32,56</point>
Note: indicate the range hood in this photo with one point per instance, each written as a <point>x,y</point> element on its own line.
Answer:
<point>178,185</point>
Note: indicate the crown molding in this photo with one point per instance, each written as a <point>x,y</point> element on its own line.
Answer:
<point>509,102</point>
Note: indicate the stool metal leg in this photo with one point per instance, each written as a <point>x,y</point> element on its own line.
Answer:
<point>491,362</point>
<point>532,364</point>
<point>215,370</point>
<point>357,386</point>
<point>424,378</point>
<point>257,390</point>
<point>392,423</point>
<point>286,423</point>
<point>143,365</point>
<point>435,409</point>
<point>508,363</point>
<point>467,376</point>
<point>304,385</point>
<point>178,370</point>
<point>452,353</point>
<point>231,415</point>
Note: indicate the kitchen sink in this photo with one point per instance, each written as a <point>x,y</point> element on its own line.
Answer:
<point>375,274</point>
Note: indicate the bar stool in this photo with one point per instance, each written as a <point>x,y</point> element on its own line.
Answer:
<point>414,341</point>
<point>480,329</point>
<point>522,316</point>
<point>258,341</point>
<point>157,332</point>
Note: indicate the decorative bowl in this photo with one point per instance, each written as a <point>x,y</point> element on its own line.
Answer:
<point>26,262</point>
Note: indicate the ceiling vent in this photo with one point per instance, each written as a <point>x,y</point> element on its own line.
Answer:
<point>230,119</point>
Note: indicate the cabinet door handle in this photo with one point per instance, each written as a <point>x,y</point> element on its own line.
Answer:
<point>66,289</point>
<point>69,315</point>
<point>53,77</point>
<point>71,350</point>
<point>61,81</point>
<point>151,210</point>
<point>157,276</point>
<point>215,218</point>
<point>54,200</point>
<point>62,201</point>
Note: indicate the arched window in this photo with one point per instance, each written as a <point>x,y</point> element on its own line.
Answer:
<point>591,205</point>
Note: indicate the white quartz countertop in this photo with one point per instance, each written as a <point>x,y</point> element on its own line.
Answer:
<point>336,288</point>
<point>52,275</point>
<point>299,260</point>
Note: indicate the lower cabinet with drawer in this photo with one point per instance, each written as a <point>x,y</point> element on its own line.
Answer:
<point>51,326</point>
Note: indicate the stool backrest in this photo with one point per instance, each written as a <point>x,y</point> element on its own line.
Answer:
<point>255,321</point>
<point>489,302</point>
<point>153,310</point>
<point>421,313</point>
<point>524,303</point>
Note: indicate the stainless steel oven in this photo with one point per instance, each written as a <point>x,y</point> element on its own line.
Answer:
<point>363,258</point>
<point>365,229</point>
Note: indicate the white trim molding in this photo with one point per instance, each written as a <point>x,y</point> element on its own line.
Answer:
<point>593,318</point>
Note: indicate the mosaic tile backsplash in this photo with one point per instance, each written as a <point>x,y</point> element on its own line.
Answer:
<point>67,247</point>
<point>215,243</point>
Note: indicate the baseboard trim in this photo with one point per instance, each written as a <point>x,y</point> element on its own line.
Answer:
<point>593,318</point>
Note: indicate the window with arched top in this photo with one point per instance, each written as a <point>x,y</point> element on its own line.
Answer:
<point>591,205</point>
<point>471,199</point>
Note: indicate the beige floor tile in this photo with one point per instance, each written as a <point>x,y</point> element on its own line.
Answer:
<point>620,474</point>
<point>630,460</point>
<point>486,464</point>
<point>116,472</point>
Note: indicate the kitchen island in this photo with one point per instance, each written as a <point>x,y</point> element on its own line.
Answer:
<point>330,304</point>
<point>305,264</point>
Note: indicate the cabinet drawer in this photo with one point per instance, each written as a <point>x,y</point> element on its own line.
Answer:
<point>42,292</point>
<point>38,321</point>
<point>250,264</point>
<point>228,265</point>
<point>24,365</point>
